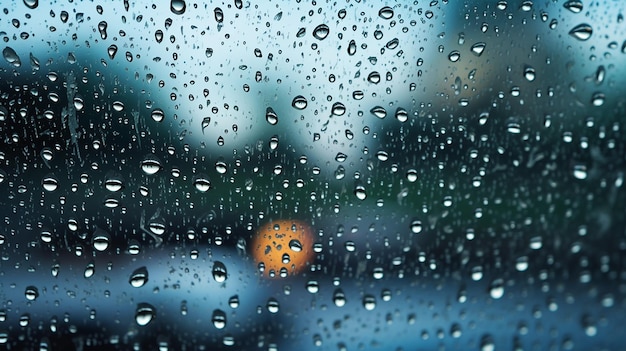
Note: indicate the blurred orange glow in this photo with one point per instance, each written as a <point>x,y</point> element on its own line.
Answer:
<point>283,247</point>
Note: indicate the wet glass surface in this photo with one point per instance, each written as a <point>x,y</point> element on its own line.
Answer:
<point>349,175</point>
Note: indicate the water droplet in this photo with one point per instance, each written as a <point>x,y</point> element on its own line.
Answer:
<point>379,112</point>
<point>478,48</point>
<point>339,298</point>
<point>295,245</point>
<point>150,165</point>
<point>502,5</point>
<point>102,28</point>
<point>338,109</point>
<point>321,32</point>
<point>11,57</point>
<point>597,99</point>
<point>385,12</point>
<point>178,7</point>
<point>31,293</point>
<point>218,14</point>
<point>352,47</point>
<point>580,172</point>
<point>270,116</point>
<point>272,305</point>
<point>392,44</point>
<point>233,301</point>
<point>219,319</point>
<point>90,270</point>
<point>139,277</point>
<point>312,286</point>
<point>157,115</point>
<point>529,73</point>
<point>581,32</point>
<point>369,302</point>
<point>112,50</point>
<point>202,183</point>
<point>50,183</point>
<point>600,74</point>
<point>100,240</point>
<point>31,4</point>
<point>411,175</point>
<point>144,313</point>
<point>575,6</point>
<point>496,290</point>
<point>341,157</point>
<point>359,192</point>
<point>402,115</point>
<point>373,77</point>
<point>454,56</point>
<point>416,226</point>
<point>219,272</point>
<point>299,102</point>
<point>114,182</point>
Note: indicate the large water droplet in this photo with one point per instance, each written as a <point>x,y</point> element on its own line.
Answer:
<point>338,109</point>
<point>150,165</point>
<point>219,319</point>
<point>202,183</point>
<point>299,102</point>
<point>102,28</point>
<point>352,47</point>
<point>529,73</point>
<point>369,302</point>
<point>157,115</point>
<point>478,48</point>
<point>272,305</point>
<point>178,7</point>
<point>31,293</point>
<point>581,32</point>
<point>270,116</point>
<point>385,12</point>
<point>339,298</point>
<point>219,272</point>
<point>111,51</point>
<point>575,6</point>
<point>144,313</point>
<point>100,240</point>
<point>50,183</point>
<point>139,277</point>
<point>11,57</point>
<point>454,56</point>
<point>379,111</point>
<point>31,4</point>
<point>416,226</point>
<point>321,32</point>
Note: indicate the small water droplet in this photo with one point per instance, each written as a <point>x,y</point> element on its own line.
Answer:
<point>581,32</point>
<point>529,73</point>
<point>360,192</point>
<point>416,226</point>
<point>270,116</point>
<point>233,301</point>
<point>272,305</point>
<point>218,14</point>
<point>369,302</point>
<point>580,172</point>
<point>144,314</point>
<point>351,47</point>
<point>139,277</point>
<point>597,99</point>
<point>321,32</point>
<point>31,293</point>
<point>102,28</point>
<point>402,115</point>
<point>373,77</point>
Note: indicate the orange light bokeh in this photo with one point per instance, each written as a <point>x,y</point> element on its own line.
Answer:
<point>283,246</point>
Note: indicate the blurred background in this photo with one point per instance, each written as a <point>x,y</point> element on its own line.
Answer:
<point>461,165</point>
